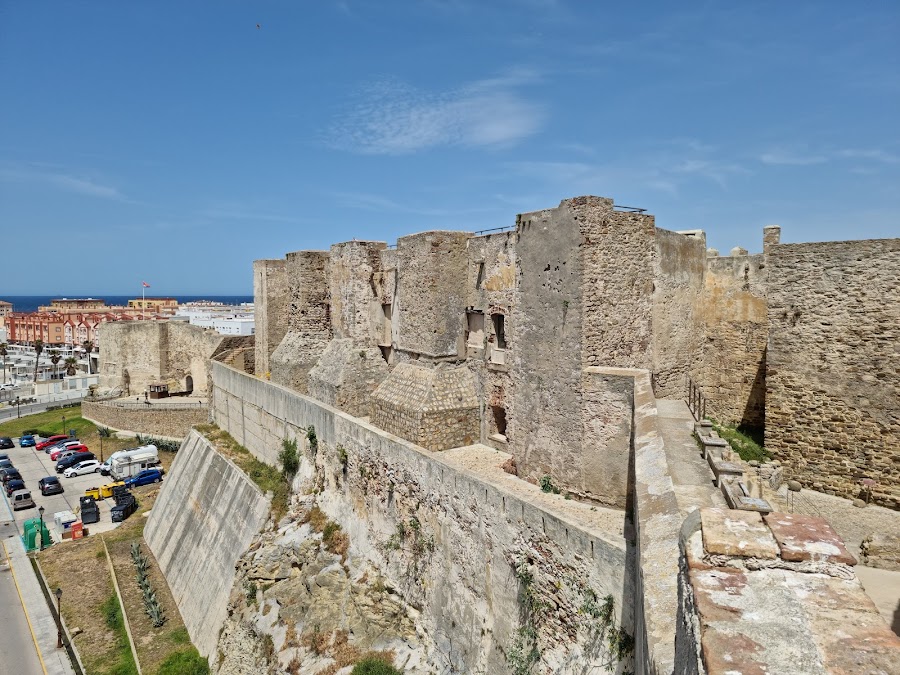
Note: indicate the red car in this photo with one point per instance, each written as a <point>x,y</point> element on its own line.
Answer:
<point>53,440</point>
<point>69,450</point>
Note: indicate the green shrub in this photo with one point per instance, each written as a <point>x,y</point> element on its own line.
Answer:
<point>548,486</point>
<point>289,459</point>
<point>112,613</point>
<point>745,441</point>
<point>184,663</point>
<point>374,666</point>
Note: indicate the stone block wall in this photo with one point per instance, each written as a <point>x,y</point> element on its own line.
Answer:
<point>346,375</point>
<point>205,517</point>
<point>618,258</point>
<point>679,270</point>
<point>270,301</point>
<point>732,318</point>
<point>309,319</point>
<point>353,293</point>
<point>431,292</point>
<point>136,353</point>
<point>436,408</point>
<point>168,422</point>
<point>832,381</point>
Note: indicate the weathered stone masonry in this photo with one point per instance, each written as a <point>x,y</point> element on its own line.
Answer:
<point>833,384</point>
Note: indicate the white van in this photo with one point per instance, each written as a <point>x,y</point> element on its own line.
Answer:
<point>127,463</point>
<point>21,499</point>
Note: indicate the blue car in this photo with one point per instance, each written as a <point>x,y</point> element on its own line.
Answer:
<point>145,477</point>
<point>27,441</point>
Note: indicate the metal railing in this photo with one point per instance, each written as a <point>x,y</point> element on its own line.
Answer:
<point>147,405</point>
<point>508,228</point>
<point>696,401</point>
<point>629,209</point>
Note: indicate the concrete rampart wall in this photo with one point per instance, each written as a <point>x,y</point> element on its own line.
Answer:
<point>205,517</point>
<point>657,522</point>
<point>172,423</point>
<point>480,527</point>
<point>833,365</point>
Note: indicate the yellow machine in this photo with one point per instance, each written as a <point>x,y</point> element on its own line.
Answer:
<point>103,491</point>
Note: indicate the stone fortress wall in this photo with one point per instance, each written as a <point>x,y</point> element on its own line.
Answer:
<point>270,282</point>
<point>482,523</point>
<point>584,284</point>
<point>833,365</point>
<point>135,353</point>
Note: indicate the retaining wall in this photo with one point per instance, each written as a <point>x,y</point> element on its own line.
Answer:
<point>205,517</point>
<point>171,423</point>
<point>482,521</point>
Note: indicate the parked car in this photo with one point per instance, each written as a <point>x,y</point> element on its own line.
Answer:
<point>72,460</point>
<point>14,485</point>
<point>145,477</point>
<point>26,441</point>
<point>68,452</point>
<point>6,443</point>
<point>3,455</point>
<point>61,445</point>
<point>7,475</point>
<point>50,485</point>
<point>60,452</point>
<point>53,440</point>
<point>21,499</point>
<point>6,464</point>
<point>104,468</point>
<point>82,468</point>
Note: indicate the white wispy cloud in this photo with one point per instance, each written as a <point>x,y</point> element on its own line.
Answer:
<point>68,182</point>
<point>394,118</point>
<point>365,201</point>
<point>790,158</point>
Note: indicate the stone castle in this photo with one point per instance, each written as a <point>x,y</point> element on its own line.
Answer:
<point>498,472</point>
<point>450,338</point>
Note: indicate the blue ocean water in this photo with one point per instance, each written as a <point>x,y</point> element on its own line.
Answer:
<point>30,303</point>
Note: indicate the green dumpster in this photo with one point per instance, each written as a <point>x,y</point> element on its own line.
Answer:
<point>31,537</point>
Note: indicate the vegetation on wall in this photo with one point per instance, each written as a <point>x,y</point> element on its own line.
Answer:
<point>745,441</point>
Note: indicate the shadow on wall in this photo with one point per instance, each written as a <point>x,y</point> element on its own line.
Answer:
<point>755,410</point>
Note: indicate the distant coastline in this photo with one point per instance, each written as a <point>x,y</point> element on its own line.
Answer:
<point>30,303</point>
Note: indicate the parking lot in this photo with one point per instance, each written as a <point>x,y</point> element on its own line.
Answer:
<point>34,465</point>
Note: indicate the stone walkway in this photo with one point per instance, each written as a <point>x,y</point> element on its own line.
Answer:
<point>690,473</point>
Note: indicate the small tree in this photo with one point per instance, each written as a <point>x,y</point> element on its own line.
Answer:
<point>55,359</point>
<point>290,461</point>
<point>3,353</point>
<point>38,349</point>
<point>88,347</point>
<point>71,362</point>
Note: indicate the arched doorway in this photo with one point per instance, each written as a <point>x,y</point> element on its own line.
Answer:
<point>189,384</point>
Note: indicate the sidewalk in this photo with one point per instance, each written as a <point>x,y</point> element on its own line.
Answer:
<point>40,621</point>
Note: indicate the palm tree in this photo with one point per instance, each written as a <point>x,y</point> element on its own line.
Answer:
<point>71,362</point>
<point>54,359</point>
<point>3,353</point>
<point>38,348</point>
<point>88,347</point>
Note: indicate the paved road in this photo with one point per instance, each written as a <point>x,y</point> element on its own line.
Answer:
<point>16,644</point>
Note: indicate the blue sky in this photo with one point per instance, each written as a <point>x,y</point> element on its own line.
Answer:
<point>176,142</point>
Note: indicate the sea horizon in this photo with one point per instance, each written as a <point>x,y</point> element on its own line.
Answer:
<point>30,303</point>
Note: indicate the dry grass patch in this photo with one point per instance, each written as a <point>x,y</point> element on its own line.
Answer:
<point>79,568</point>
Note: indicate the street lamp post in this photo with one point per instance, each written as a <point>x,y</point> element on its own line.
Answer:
<point>41,531</point>
<point>59,642</point>
<point>64,424</point>
<point>18,409</point>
